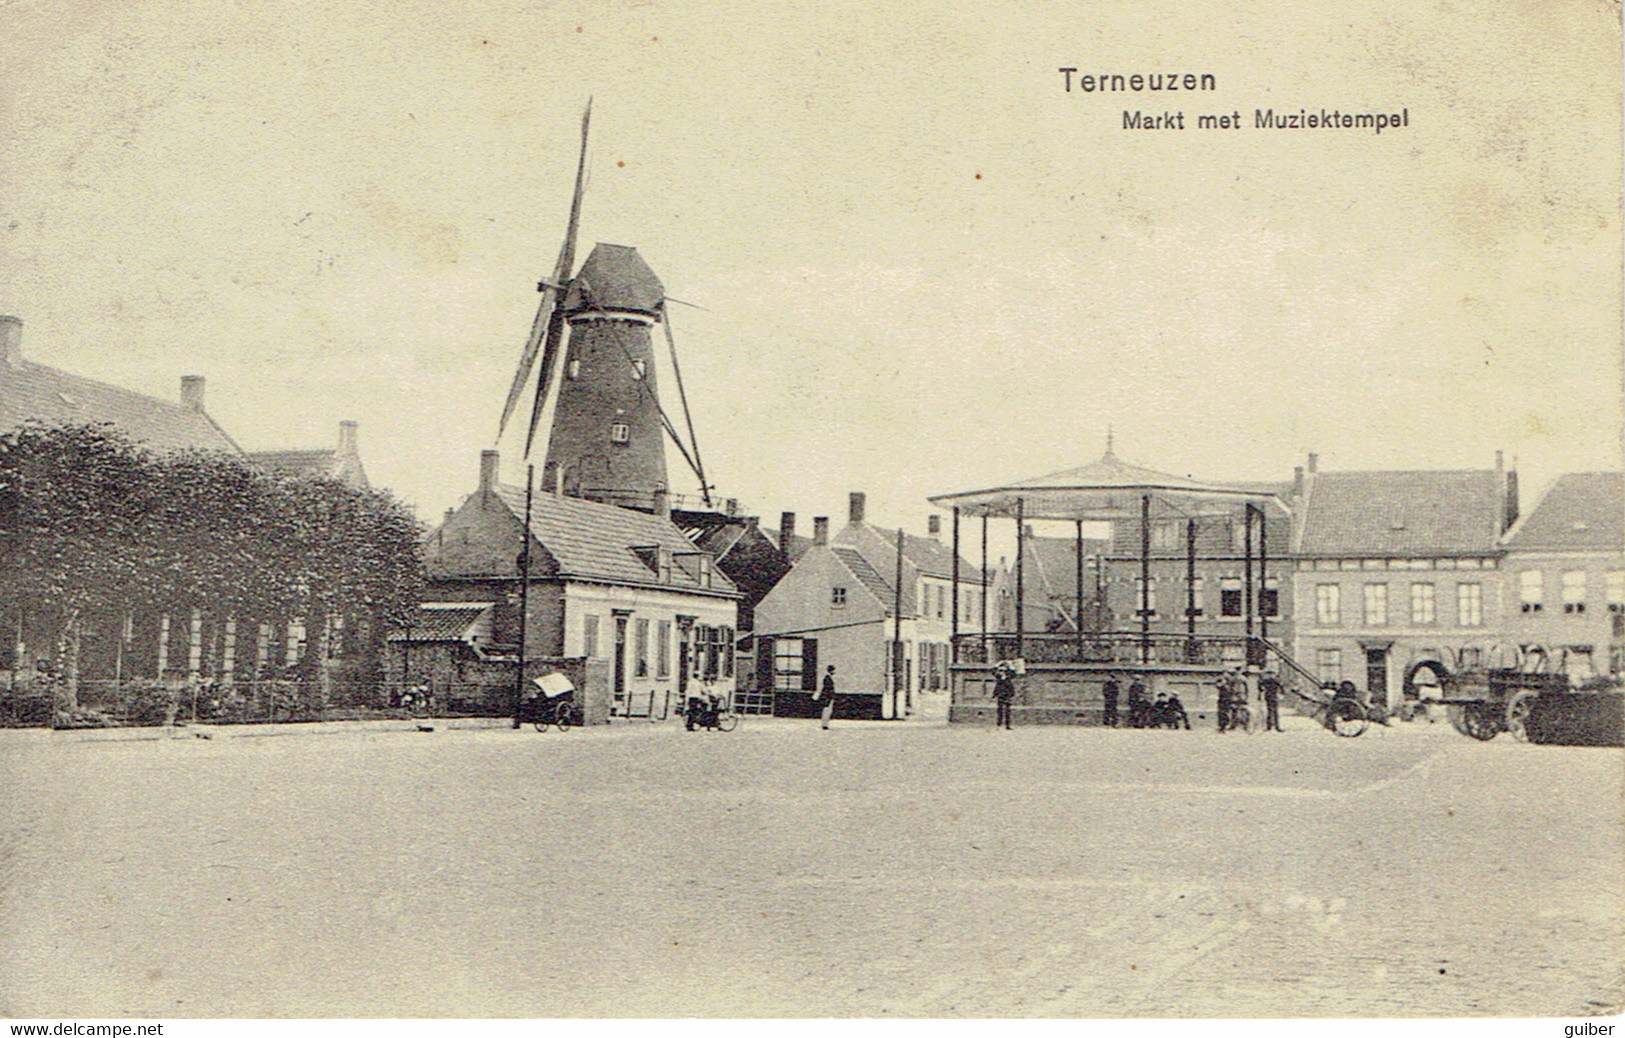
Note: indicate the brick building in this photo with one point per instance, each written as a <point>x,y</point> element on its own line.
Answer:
<point>607,584</point>
<point>1564,573</point>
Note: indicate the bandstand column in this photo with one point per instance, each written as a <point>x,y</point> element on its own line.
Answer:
<point>1144,603</point>
<point>1078,554</point>
<point>1264,579</point>
<point>982,601</point>
<point>953,624</point>
<point>1021,598</point>
<point>1190,584</point>
<point>1247,578</point>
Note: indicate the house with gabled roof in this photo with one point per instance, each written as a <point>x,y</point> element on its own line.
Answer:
<point>842,603</point>
<point>341,463</point>
<point>1564,571</point>
<point>1398,569</point>
<point>648,612</point>
<point>32,392</point>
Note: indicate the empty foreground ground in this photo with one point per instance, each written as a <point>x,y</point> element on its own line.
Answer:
<point>877,869</point>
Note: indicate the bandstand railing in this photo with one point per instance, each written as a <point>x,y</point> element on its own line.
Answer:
<point>1125,648</point>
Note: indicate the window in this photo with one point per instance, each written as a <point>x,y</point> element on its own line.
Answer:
<point>1331,665</point>
<point>619,433</point>
<point>725,646</point>
<point>1147,597</point>
<point>572,370</point>
<point>1422,604</point>
<point>942,601</point>
<point>789,663</point>
<point>837,597</point>
<point>1269,598</point>
<point>1615,582</point>
<point>640,648</point>
<point>1376,605</point>
<point>1471,658</point>
<point>1165,535</point>
<point>589,637</point>
<point>1326,604</point>
<point>1529,591</point>
<point>1470,605</point>
<point>1198,588</point>
<point>1229,596</point>
<point>1574,591</point>
<point>663,649</point>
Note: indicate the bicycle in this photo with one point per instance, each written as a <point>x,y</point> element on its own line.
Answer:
<point>714,718</point>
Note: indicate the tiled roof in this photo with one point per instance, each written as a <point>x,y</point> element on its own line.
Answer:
<point>435,622</point>
<point>596,541</point>
<point>798,543</point>
<point>929,555</point>
<point>867,575</point>
<point>1052,565</point>
<point>1581,511</point>
<point>30,391</point>
<point>1401,513</point>
<point>296,463</point>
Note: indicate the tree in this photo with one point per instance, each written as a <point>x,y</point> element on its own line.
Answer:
<point>91,523</point>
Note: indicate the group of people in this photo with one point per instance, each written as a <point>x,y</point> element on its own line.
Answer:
<point>1165,711</point>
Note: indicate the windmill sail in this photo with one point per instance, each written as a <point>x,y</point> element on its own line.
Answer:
<point>547,330</point>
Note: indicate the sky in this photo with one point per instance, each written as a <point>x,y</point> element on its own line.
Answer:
<point>924,266</point>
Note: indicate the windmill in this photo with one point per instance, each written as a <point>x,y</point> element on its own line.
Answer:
<point>591,350</point>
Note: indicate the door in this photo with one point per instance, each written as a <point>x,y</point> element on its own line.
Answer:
<point>1376,676</point>
<point>618,698</point>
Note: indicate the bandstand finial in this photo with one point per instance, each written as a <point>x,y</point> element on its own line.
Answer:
<point>1108,456</point>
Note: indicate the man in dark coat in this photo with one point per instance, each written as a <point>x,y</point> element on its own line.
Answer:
<point>1004,693</point>
<point>1174,713</point>
<point>1272,704</point>
<point>1138,705</point>
<point>826,694</point>
<point>1108,694</point>
<point>1227,699</point>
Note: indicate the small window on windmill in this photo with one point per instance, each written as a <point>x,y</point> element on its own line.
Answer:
<point>619,433</point>
<point>637,370</point>
<point>572,370</point>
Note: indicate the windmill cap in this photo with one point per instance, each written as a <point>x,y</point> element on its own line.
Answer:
<point>614,277</point>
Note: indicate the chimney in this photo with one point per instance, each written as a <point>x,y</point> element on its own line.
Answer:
<point>1314,463</point>
<point>489,460</point>
<point>192,391</point>
<point>662,503</point>
<point>11,340</point>
<point>1500,493</point>
<point>787,532</point>
<point>933,525</point>
<point>347,436</point>
<point>821,530</point>
<point>1297,481</point>
<point>1512,498</point>
<point>854,507</point>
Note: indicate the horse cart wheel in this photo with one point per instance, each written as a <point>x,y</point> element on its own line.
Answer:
<point>1518,711</point>
<point>1476,721</point>
<point>1348,720</point>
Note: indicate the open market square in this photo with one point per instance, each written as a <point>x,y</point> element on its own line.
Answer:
<point>877,869</point>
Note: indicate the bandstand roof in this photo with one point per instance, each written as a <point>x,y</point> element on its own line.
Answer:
<point>1102,490</point>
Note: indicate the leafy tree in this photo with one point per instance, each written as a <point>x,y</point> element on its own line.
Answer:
<point>93,524</point>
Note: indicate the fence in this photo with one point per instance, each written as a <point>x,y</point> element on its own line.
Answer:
<point>34,703</point>
<point>1120,648</point>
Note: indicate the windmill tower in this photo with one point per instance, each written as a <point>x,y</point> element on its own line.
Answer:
<point>605,442</point>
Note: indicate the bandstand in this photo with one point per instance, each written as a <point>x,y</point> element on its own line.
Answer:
<point>1065,671</point>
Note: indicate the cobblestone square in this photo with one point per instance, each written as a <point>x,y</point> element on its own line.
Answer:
<point>876,869</point>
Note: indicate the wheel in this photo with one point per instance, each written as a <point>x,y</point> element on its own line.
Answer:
<point>1518,711</point>
<point>566,716</point>
<point>540,726</point>
<point>1348,720</point>
<point>727,722</point>
<point>1479,722</point>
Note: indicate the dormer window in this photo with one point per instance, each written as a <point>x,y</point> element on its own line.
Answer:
<point>619,433</point>
<point>637,370</point>
<point>573,369</point>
